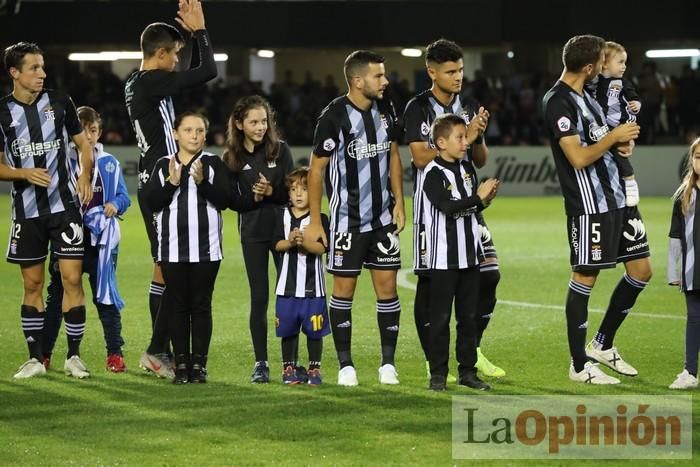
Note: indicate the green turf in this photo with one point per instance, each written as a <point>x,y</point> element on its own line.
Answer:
<point>136,419</point>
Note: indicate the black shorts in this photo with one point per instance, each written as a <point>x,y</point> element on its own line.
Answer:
<point>377,249</point>
<point>149,219</point>
<point>599,241</point>
<point>29,238</point>
<point>420,265</point>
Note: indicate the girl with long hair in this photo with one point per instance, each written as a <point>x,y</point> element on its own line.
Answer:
<point>684,245</point>
<point>260,162</point>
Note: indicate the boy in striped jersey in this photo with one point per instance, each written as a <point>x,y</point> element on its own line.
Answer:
<point>36,125</point>
<point>454,249</point>
<point>301,284</point>
<point>445,66</point>
<point>602,230</point>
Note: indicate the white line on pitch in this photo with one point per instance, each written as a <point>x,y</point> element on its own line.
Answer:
<point>402,280</point>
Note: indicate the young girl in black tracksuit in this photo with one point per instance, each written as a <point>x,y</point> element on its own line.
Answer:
<point>260,162</point>
<point>187,192</point>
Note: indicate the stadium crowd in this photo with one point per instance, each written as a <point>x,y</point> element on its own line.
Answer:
<point>671,114</point>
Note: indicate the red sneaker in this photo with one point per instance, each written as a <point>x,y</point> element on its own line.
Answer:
<point>46,361</point>
<point>115,363</point>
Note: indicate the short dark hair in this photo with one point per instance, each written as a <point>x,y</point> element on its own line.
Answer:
<point>159,35</point>
<point>357,61</point>
<point>443,125</point>
<point>300,175</point>
<point>191,113</point>
<point>87,116</point>
<point>580,51</point>
<point>14,54</point>
<point>441,51</point>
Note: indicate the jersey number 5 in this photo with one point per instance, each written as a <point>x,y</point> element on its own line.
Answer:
<point>595,233</point>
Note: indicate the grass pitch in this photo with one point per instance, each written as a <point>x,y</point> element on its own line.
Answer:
<point>136,419</point>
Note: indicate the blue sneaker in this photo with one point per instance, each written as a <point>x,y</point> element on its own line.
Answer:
<point>314,376</point>
<point>289,375</point>
<point>261,373</point>
<point>301,374</point>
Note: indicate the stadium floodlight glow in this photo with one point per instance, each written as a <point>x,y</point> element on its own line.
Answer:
<point>107,56</point>
<point>672,53</point>
<point>411,53</point>
<point>510,54</point>
<point>264,53</point>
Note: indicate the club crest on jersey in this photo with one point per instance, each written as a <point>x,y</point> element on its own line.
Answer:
<point>329,144</point>
<point>468,181</point>
<point>614,89</point>
<point>465,116</point>
<point>110,167</point>
<point>597,132</point>
<point>49,113</point>
<point>424,129</point>
<point>596,253</point>
<point>271,164</point>
<point>338,259</point>
<point>13,247</point>
<point>564,124</point>
<point>384,121</point>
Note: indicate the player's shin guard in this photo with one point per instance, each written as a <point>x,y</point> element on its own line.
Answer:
<point>75,329</point>
<point>621,302</point>
<point>33,328</point>
<point>421,312</point>
<point>577,322</point>
<point>341,325</point>
<point>488,281</point>
<point>388,312</point>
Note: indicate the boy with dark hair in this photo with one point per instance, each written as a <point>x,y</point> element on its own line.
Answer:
<point>454,249</point>
<point>602,231</point>
<point>36,125</point>
<point>301,284</point>
<point>102,234</point>
<point>444,63</point>
<point>148,94</point>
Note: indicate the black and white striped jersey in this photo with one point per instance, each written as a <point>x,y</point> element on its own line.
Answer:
<point>686,228</point>
<point>38,135</point>
<point>188,216</point>
<point>453,237</point>
<point>418,118</point>
<point>597,188</point>
<point>613,96</point>
<point>358,143</point>
<point>150,105</point>
<point>300,274</point>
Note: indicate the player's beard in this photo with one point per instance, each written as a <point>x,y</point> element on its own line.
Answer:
<point>374,96</point>
<point>448,91</point>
